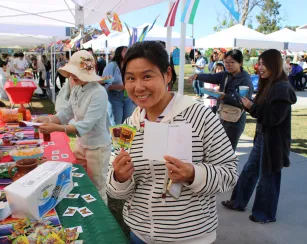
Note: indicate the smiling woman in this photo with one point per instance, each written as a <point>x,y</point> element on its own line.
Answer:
<point>149,210</point>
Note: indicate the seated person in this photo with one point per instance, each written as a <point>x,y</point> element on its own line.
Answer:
<point>296,76</point>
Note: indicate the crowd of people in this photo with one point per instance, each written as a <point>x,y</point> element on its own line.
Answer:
<point>143,73</point>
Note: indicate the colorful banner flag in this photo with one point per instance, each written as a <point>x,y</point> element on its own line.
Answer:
<point>134,37</point>
<point>230,5</point>
<point>144,33</point>
<point>128,29</point>
<point>104,28</point>
<point>154,22</point>
<point>189,11</point>
<point>170,21</point>
<point>116,24</point>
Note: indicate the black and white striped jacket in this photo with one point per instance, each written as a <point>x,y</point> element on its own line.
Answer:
<point>194,214</point>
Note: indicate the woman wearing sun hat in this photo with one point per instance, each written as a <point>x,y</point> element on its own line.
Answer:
<point>86,116</point>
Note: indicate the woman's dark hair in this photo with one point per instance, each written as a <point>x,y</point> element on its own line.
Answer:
<point>211,58</point>
<point>2,104</point>
<point>2,63</point>
<point>21,55</point>
<point>219,65</point>
<point>150,50</point>
<point>273,61</point>
<point>236,55</point>
<point>118,56</point>
<point>15,55</point>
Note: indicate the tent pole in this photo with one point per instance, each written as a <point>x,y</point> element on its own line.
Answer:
<point>169,35</point>
<point>182,53</point>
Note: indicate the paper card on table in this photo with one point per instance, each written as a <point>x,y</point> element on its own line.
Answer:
<point>55,152</point>
<point>64,156</point>
<point>85,211</point>
<point>167,139</point>
<point>76,184</point>
<point>55,157</point>
<point>70,211</point>
<point>88,198</point>
<point>79,229</point>
<point>74,168</point>
<point>72,195</point>
<point>77,175</point>
<point>29,123</point>
<point>78,242</point>
<point>44,146</point>
<point>51,143</point>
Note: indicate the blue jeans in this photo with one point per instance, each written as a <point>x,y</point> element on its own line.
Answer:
<point>267,191</point>
<point>197,85</point>
<point>134,239</point>
<point>122,107</point>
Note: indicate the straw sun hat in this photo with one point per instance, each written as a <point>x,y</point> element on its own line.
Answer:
<point>82,65</point>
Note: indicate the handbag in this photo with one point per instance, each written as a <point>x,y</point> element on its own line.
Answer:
<point>228,112</point>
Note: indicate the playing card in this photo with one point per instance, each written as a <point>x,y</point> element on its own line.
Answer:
<point>64,156</point>
<point>78,242</point>
<point>77,175</point>
<point>51,143</point>
<point>76,184</point>
<point>55,158</point>
<point>79,229</point>
<point>74,169</point>
<point>85,212</point>
<point>88,198</point>
<point>55,152</point>
<point>70,211</point>
<point>73,195</point>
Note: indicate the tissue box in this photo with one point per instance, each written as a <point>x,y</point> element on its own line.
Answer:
<point>34,194</point>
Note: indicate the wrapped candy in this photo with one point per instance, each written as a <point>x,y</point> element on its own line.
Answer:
<point>122,136</point>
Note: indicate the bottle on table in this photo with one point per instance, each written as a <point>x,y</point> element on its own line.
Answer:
<point>46,137</point>
<point>36,133</point>
<point>22,110</point>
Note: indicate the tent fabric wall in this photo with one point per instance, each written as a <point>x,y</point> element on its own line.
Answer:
<point>57,13</point>
<point>23,41</point>
<point>238,36</point>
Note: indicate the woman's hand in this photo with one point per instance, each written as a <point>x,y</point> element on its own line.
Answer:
<point>192,78</point>
<point>42,119</point>
<point>47,128</point>
<point>178,171</point>
<point>246,102</point>
<point>123,167</point>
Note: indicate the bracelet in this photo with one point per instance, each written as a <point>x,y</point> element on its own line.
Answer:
<point>65,129</point>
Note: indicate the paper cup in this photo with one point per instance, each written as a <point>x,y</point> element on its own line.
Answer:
<point>243,91</point>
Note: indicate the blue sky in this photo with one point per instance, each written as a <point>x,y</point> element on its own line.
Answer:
<point>294,12</point>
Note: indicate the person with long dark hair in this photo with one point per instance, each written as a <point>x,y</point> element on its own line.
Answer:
<point>229,82</point>
<point>122,106</point>
<point>272,109</point>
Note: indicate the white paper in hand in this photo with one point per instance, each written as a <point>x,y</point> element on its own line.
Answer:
<point>167,139</point>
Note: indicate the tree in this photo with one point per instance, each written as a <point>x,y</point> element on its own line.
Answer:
<point>292,27</point>
<point>269,19</point>
<point>245,8</point>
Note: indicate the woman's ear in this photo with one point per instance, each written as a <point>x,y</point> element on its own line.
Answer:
<point>169,74</point>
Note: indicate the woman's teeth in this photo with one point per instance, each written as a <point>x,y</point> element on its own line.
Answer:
<point>142,97</point>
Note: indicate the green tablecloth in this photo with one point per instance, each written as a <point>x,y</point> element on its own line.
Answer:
<point>101,227</point>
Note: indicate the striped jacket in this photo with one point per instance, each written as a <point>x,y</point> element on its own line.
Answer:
<point>194,214</point>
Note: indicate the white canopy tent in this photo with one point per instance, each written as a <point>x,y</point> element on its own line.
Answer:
<point>158,33</point>
<point>23,41</point>
<point>297,41</point>
<point>65,12</point>
<point>238,36</point>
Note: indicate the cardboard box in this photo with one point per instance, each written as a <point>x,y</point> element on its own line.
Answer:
<point>34,194</point>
